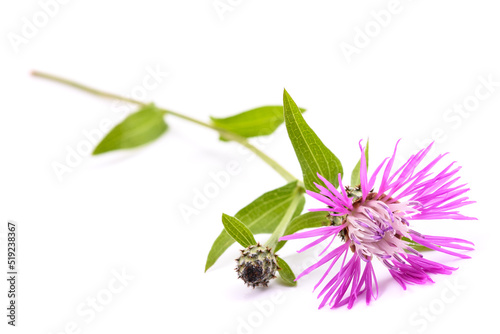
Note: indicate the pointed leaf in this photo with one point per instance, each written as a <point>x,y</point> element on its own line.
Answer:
<point>314,157</point>
<point>137,129</point>
<point>355,180</point>
<point>307,220</point>
<point>261,216</point>
<point>238,231</point>
<point>286,272</point>
<point>252,123</point>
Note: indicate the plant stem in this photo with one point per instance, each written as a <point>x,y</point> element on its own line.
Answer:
<point>83,87</point>
<point>281,228</point>
<point>224,133</point>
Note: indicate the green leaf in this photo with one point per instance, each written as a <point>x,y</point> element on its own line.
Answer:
<point>252,123</point>
<point>355,180</point>
<point>261,216</point>
<point>238,231</point>
<point>314,157</point>
<point>137,129</point>
<point>416,246</point>
<point>285,272</point>
<point>307,220</point>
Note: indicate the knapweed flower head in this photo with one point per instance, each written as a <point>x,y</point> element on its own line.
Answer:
<point>257,265</point>
<point>377,224</point>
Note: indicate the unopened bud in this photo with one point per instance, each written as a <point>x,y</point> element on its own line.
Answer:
<point>257,265</point>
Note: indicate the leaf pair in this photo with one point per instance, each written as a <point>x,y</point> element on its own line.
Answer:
<point>148,124</point>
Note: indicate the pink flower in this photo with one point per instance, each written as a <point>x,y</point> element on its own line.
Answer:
<point>377,225</point>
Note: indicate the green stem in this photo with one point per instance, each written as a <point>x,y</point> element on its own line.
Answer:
<point>83,87</point>
<point>224,133</point>
<point>281,228</point>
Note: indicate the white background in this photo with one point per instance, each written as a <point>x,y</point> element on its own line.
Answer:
<point>121,211</point>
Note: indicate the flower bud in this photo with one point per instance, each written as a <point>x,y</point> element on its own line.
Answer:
<point>257,265</point>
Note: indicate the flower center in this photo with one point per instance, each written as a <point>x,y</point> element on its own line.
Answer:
<point>376,228</point>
